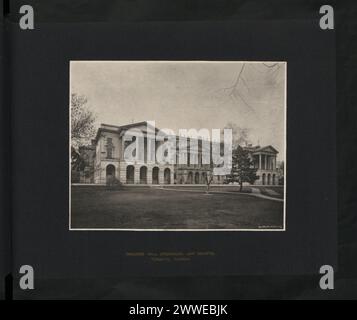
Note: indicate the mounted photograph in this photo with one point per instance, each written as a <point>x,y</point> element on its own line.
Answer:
<point>177,145</point>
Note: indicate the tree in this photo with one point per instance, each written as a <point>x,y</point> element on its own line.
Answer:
<point>209,179</point>
<point>280,170</point>
<point>76,165</point>
<point>240,136</point>
<point>77,162</point>
<point>242,168</point>
<point>82,121</point>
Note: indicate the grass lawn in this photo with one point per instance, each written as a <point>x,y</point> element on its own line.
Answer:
<point>270,191</point>
<point>279,191</point>
<point>153,208</point>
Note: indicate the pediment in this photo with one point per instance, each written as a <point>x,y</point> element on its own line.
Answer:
<point>267,149</point>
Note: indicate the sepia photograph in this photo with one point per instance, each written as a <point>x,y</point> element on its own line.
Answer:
<point>177,145</point>
<point>177,150</point>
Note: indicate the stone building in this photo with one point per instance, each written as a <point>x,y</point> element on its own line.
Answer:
<point>264,159</point>
<point>108,161</point>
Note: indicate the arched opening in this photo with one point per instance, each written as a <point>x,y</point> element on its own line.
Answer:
<point>110,172</point>
<point>268,179</point>
<point>197,178</point>
<point>130,174</point>
<point>155,175</point>
<point>167,177</point>
<point>143,175</point>
<point>189,178</point>
<point>273,179</point>
<point>203,178</point>
<point>263,179</point>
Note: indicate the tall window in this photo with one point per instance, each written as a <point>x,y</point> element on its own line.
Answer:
<point>110,148</point>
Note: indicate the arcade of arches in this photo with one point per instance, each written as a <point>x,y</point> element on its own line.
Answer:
<point>143,174</point>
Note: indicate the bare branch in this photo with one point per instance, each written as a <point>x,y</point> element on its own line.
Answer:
<point>234,86</point>
<point>270,66</point>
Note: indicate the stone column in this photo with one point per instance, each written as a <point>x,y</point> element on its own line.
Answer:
<point>266,162</point>
<point>161,175</point>
<point>260,162</point>
<point>136,174</point>
<point>172,181</point>
<point>149,174</point>
<point>122,172</point>
<point>122,149</point>
<point>103,174</point>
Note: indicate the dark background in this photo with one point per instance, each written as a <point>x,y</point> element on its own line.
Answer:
<point>237,30</point>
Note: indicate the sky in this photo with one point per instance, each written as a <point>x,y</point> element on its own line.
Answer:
<point>184,95</point>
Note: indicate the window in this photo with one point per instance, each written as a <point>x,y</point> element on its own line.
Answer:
<point>110,148</point>
<point>109,152</point>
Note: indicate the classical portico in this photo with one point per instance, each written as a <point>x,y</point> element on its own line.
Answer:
<point>265,161</point>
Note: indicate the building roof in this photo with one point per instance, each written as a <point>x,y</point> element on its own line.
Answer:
<point>265,149</point>
<point>104,127</point>
<point>117,129</point>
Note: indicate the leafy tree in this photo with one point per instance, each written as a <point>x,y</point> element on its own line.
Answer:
<point>77,162</point>
<point>76,165</point>
<point>82,121</point>
<point>280,170</point>
<point>281,166</point>
<point>242,168</point>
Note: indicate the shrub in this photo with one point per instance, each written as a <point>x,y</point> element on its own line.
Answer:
<point>113,182</point>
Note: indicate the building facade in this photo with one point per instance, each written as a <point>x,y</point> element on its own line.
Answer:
<point>264,159</point>
<point>109,163</point>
